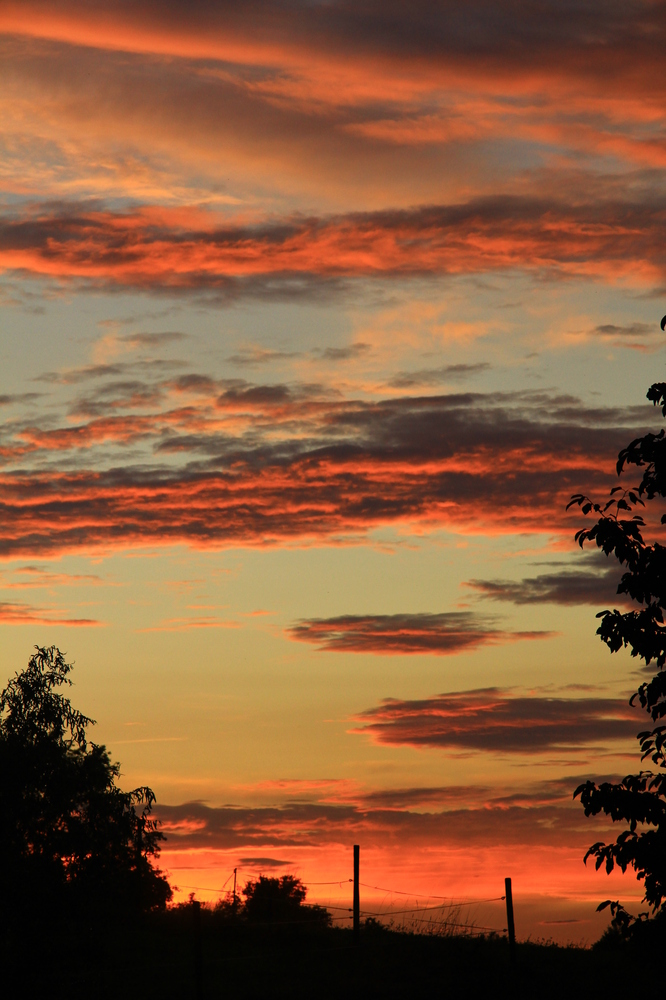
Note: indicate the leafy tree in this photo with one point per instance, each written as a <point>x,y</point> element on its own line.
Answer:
<point>639,800</point>
<point>71,841</point>
<point>280,901</point>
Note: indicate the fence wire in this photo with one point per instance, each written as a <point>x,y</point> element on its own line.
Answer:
<point>450,907</point>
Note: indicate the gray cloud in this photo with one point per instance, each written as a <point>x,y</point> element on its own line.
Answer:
<point>632,330</point>
<point>435,376</point>
<point>153,339</point>
<point>11,399</point>
<point>565,586</point>
<point>117,369</point>
<point>264,862</point>
<point>343,353</point>
<point>251,357</point>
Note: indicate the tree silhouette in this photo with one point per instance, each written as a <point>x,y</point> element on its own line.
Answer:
<point>281,901</point>
<point>639,800</point>
<point>71,842</point>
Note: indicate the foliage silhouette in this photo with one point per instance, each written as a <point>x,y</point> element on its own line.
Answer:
<point>281,901</point>
<point>639,800</point>
<point>71,842</point>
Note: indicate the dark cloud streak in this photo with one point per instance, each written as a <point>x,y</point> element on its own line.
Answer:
<point>540,819</point>
<point>236,463</point>
<point>566,587</point>
<point>435,376</point>
<point>493,720</point>
<point>441,634</point>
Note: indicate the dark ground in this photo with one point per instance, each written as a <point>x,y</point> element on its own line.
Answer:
<point>158,958</point>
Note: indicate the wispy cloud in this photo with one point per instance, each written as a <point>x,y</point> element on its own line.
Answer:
<point>41,578</point>
<point>435,376</point>
<point>251,357</point>
<point>347,353</point>
<point>187,624</point>
<point>262,862</point>
<point>621,332</point>
<point>158,339</point>
<point>14,613</point>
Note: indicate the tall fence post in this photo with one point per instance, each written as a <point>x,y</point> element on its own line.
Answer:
<point>198,956</point>
<point>510,926</point>
<point>357,896</point>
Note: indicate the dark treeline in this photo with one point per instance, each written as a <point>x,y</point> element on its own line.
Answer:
<point>183,952</point>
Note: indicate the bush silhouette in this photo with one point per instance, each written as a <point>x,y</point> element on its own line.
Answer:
<point>71,842</point>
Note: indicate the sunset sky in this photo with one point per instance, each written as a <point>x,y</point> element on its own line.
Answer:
<point>314,315</point>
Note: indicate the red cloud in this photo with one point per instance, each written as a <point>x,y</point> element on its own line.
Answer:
<point>153,248</point>
<point>311,468</point>
<point>55,513</point>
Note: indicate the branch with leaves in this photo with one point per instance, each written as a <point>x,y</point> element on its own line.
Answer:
<point>639,800</point>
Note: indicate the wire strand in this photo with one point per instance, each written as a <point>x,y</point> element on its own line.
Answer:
<point>395,913</point>
<point>421,895</point>
<point>339,882</point>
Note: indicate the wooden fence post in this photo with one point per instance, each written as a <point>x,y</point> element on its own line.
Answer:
<point>357,897</point>
<point>509,920</point>
<point>198,956</point>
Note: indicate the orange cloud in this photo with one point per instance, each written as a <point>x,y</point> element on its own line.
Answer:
<point>120,429</point>
<point>39,578</point>
<point>285,79</point>
<point>407,53</point>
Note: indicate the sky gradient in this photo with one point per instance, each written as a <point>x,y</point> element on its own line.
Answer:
<point>314,315</point>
